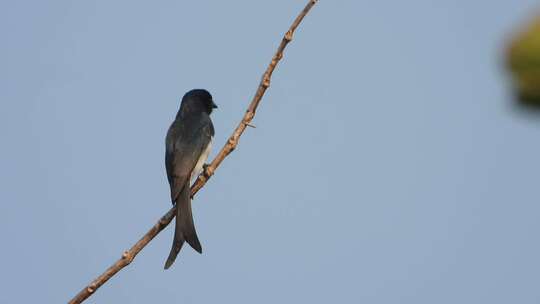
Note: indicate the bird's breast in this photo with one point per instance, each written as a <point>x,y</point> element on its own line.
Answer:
<point>201,161</point>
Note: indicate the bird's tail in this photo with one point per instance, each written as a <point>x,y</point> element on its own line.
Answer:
<point>185,228</point>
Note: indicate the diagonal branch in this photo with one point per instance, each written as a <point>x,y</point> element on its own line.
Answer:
<point>129,255</point>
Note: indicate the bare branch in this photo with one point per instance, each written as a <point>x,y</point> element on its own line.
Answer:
<point>129,255</point>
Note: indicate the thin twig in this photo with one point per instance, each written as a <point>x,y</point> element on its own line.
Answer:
<point>129,255</point>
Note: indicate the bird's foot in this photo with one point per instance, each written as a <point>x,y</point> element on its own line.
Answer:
<point>208,170</point>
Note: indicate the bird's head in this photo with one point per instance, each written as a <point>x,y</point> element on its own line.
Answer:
<point>197,101</point>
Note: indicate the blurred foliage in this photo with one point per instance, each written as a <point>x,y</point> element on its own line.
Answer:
<point>524,63</point>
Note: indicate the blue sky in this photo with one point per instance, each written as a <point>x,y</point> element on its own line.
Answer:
<point>388,165</point>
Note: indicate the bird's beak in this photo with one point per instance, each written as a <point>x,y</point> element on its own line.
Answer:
<point>214,106</point>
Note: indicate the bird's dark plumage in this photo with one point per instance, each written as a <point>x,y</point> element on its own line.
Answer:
<point>187,146</point>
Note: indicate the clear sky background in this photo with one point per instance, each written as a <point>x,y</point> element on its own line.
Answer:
<point>388,165</point>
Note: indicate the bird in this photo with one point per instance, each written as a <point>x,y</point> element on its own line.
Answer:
<point>187,146</point>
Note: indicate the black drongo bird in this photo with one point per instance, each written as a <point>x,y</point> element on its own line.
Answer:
<point>187,147</point>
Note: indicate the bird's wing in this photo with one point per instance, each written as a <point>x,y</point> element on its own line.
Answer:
<point>182,153</point>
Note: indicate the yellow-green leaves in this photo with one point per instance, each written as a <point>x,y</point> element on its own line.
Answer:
<point>524,63</point>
